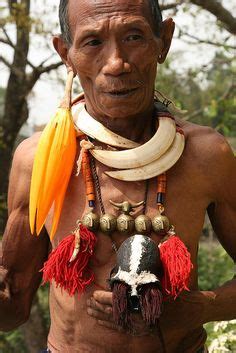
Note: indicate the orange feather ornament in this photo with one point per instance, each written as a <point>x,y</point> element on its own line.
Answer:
<point>53,164</point>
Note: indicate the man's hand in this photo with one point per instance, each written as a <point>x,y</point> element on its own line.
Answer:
<point>100,307</point>
<point>189,310</point>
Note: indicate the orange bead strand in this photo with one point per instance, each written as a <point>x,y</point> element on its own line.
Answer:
<point>161,190</point>
<point>88,178</point>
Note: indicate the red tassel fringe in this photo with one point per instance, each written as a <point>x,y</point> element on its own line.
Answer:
<point>71,276</point>
<point>177,266</point>
<point>151,304</point>
<point>121,314</point>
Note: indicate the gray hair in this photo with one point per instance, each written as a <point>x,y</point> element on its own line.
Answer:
<point>64,20</point>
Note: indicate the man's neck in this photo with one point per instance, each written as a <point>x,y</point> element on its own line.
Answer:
<point>137,128</point>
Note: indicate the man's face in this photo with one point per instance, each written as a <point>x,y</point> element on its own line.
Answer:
<point>114,53</point>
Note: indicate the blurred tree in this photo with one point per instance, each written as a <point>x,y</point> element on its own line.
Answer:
<point>23,75</point>
<point>222,14</point>
<point>215,7</point>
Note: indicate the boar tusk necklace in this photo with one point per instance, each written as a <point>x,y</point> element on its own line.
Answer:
<point>136,162</point>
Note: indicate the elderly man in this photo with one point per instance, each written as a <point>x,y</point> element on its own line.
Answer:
<point>114,48</point>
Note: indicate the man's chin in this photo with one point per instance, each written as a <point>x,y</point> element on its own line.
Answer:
<point>121,111</point>
<point>121,106</point>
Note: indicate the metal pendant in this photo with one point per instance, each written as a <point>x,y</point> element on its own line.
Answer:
<point>126,207</point>
<point>125,224</point>
<point>91,221</point>
<point>108,223</point>
<point>143,224</point>
<point>160,224</point>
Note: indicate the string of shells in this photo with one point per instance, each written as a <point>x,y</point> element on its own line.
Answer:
<point>126,223</point>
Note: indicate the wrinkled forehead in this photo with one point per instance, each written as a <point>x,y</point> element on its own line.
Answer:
<point>83,12</point>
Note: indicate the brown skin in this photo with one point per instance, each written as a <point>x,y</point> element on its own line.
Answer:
<point>203,179</point>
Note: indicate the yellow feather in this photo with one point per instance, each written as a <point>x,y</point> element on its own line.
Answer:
<point>39,169</point>
<point>59,166</point>
<point>53,165</point>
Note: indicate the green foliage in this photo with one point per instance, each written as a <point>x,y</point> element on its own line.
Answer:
<point>216,267</point>
<point>43,302</point>
<point>2,96</point>
<point>179,87</point>
<point>222,336</point>
<point>12,342</point>
<point>208,95</point>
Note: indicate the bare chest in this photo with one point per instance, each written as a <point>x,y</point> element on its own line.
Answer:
<point>185,205</point>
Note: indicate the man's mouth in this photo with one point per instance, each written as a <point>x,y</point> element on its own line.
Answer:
<point>122,92</point>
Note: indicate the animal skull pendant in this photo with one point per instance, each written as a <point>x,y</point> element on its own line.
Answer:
<point>135,281</point>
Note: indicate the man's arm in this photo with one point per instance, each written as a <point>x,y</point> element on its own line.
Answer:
<point>22,253</point>
<point>196,308</point>
<point>222,213</point>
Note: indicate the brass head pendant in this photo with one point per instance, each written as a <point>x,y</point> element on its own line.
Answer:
<point>125,222</point>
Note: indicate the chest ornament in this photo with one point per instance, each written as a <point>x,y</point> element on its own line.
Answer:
<point>170,276</point>
<point>144,272</point>
<point>136,162</point>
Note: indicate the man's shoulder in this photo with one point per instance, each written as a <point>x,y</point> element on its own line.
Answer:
<point>24,154</point>
<point>21,170</point>
<point>206,144</point>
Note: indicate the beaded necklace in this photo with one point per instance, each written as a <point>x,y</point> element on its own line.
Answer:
<point>125,223</point>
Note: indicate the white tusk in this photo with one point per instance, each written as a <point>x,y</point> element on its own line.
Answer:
<point>91,127</point>
<point>155,168</point>
<point>144,154</point>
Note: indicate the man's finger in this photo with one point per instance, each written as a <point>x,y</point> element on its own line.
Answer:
<point>94,304</point>
<point>103,297</point>
<point>99,315</point>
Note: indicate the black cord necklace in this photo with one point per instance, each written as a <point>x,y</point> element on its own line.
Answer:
<point>102,207</point>
<point>114,246</point>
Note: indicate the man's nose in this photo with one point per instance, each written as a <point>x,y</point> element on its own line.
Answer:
<point>116,63</point>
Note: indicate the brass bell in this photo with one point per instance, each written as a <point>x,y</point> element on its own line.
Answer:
<point>108,223</point>
<point>91,221</point>
<point>125,224</point>
<point>160,224</point>
<point>143,224</point>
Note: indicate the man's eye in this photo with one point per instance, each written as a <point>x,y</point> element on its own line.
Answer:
<point>134,37</point>
<point>94,43</point>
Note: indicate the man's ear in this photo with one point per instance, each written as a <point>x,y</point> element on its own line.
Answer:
<point>62,49</point>
<point>167,31</point>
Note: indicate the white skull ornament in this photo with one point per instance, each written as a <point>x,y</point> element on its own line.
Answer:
<point>134,281</point>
